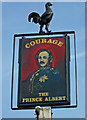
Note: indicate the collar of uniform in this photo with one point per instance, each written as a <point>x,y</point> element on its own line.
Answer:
<point>43,68</point>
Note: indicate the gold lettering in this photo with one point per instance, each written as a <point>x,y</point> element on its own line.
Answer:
<point>60,98</point>
<point>37,41</point>
<point>49,98</point>
<point>53,99</point>
<point>43,94</point>
<point>40,99</point>
<point>25,100</point>
<point>39,94</point>
<point>46,93</point>
<point>64,97</point>
<point>49,41</point>
<point>56,98</point>
<point>60,44</point>
<point>46,99</point>
<point>30,99</point>
<point>33,99</point>
<point>32,43</point>
<point>37,100</point>
<point>44,41</point>
<point>27,45</point>
<point>55,41</point>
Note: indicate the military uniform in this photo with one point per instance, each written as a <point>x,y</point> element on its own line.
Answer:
<point>44,80</point>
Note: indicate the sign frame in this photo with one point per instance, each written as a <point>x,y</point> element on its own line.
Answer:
<point>59,106</point>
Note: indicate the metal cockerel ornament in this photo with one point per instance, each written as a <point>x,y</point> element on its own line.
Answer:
<point>44,19</point>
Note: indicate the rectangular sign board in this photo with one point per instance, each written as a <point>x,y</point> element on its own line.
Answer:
<point>44,69</point>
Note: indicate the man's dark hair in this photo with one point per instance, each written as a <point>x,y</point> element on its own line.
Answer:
<point>50,59</point>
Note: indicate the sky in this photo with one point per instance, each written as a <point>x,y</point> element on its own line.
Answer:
<point>68,16</point>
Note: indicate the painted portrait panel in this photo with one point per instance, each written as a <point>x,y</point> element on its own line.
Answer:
<point>43,71</point>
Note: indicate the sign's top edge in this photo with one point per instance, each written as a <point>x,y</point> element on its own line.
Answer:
<point>52,33</point>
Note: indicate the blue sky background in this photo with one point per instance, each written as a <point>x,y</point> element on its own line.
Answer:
<point>67,16</point>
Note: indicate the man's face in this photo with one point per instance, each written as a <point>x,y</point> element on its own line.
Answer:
<point>43,58</point>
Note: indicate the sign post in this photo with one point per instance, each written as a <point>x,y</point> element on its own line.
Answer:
<point>43,113</point>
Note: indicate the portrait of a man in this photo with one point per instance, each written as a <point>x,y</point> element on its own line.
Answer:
<point>45,79</point>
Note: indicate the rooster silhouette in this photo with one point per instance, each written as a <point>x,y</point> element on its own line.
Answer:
<point>44,19</point>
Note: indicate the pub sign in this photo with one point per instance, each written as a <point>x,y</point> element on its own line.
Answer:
<point>44,71</point>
